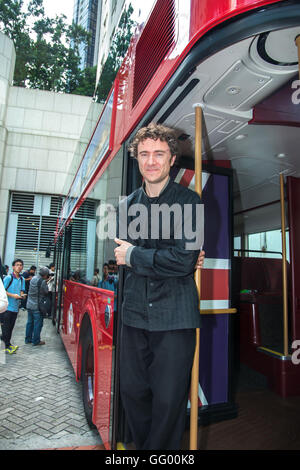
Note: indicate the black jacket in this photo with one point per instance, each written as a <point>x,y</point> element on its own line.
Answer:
<point>159,290</point>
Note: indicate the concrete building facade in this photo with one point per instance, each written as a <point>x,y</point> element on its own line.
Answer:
<point>40,136</point>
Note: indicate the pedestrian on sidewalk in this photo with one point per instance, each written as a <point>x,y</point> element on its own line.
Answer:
<point>52,290</point>
<point>28,275</point>
<point>14,285</point>
<point>38,288</point>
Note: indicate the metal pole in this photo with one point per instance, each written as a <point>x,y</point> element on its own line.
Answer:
<point>297,41</point>
<point>195,369</point>
<point>284,271</point>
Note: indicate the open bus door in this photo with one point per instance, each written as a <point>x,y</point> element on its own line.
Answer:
<point>62,268</point>
<point>216,387</point>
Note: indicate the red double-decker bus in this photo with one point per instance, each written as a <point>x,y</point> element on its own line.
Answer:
<point>238,60</point>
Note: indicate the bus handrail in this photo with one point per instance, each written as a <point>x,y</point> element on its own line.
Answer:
<point>258,251</point>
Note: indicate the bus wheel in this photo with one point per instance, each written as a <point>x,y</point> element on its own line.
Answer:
<point>87,376</point>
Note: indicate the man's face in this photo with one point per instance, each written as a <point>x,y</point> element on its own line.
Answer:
<point>155,160</point>
<point>111,268</point>
<point>105,270</point>
<point>17,267</point>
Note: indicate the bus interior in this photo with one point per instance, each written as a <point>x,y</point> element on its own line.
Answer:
<point>251,117</point>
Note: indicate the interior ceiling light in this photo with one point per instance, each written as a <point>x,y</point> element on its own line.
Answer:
<point>272,52</point>
<point>281,155</point>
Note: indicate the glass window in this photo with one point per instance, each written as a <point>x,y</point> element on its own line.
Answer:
<point>266,242</point>
<point>107,193</point>
<point>255,242</point>
<point>274,243</point>
<point>92,260</point>
<point>237,243</point>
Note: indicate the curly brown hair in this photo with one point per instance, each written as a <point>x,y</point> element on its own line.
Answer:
<point>155,132</point>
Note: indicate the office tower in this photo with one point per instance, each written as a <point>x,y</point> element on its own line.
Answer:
<point>87,13</point>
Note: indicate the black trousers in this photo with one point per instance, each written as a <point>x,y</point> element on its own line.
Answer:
<point>8,320</point>
<point>155,370</point>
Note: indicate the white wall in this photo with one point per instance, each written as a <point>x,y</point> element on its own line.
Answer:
<point>7,64</point>
<point>42,132</point>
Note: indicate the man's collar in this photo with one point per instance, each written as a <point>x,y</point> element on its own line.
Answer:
<point>162,190</point>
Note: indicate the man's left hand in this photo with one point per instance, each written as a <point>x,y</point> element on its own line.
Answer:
<point>121,250</point>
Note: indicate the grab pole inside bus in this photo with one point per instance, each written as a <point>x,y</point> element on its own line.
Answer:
<point>297,41</point>
<point>284,270</point>
<point>195,369</point>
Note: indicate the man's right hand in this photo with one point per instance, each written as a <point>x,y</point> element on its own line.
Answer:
<point>120,251</point>
<point>13,296</point>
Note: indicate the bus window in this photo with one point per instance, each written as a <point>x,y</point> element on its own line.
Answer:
<point>91,248</point>
<point>106,193</point>
<point>274,243</point>
<point>237,242</point>
<point>267,244</point>
<point>79,260</point>
<point>256,241</point>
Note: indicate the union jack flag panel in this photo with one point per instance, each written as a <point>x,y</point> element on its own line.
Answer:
<point>215,284</point>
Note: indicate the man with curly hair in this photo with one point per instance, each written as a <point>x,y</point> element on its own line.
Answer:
<point>160,310</point>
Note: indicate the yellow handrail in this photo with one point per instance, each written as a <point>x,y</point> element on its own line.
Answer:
<point>297,41</point>
<point>195,369</point>
<point>284,271</point>
<point>215,311</point>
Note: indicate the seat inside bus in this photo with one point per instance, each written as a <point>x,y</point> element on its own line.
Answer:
<point>258,286</point>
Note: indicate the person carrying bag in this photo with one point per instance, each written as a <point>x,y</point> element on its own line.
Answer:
<point>44,301</point>
<point>14,285</point>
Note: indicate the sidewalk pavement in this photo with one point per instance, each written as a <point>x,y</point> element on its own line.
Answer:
<point>40,400</point>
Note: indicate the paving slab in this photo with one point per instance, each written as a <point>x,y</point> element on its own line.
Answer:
<point>40,400</point>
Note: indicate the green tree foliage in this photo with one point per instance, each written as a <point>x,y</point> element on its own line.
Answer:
<point>47,54</point>
<point>86,85</point>
<point>118,49</point>
<point>47,50</point>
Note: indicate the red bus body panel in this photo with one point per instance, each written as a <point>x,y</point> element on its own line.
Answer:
<point>80,300</point>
